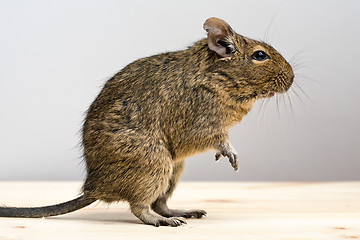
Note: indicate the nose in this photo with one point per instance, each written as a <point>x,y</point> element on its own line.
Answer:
<point>290,74</point>
<point>291,77</point>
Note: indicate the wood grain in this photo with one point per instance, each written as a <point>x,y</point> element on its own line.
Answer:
<point>244,210</point>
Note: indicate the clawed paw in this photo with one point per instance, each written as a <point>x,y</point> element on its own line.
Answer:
<point>194,213</point>
<point>173,222</point>
<point>233,158</point>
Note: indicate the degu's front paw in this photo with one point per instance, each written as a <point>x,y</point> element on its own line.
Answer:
<point>228,151</point>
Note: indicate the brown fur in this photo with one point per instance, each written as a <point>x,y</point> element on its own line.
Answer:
<point>160,109</point>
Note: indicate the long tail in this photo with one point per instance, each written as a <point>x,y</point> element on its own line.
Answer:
<point>47,211</point>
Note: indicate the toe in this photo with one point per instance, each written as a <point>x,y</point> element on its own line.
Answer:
<point>200,214</point>
<point>195,214</point>
<point>175,222</point>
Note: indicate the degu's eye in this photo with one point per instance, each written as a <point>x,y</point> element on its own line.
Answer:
<point>259,56</point>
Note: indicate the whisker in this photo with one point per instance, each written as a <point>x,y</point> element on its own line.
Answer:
<point>291,106</point>
<point>293,91</point>
<point>303,92</point>
<point>300,65</point>
<point>277,105</point>
<point>300,77</point>
<point>261,104</point>
<point>283,102</point>
<point>303,65</point>
<point>297,55</point>
<point>266,34</point>
<point>262,117</point>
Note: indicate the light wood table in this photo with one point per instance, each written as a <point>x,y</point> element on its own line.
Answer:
<point>244,210</point>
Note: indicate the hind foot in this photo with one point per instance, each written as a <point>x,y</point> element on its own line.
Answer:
<point>195,213</point>
<point>160,207</point>
<point>154,219</point>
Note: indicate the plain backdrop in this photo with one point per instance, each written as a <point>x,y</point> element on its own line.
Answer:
<point>56,55</point>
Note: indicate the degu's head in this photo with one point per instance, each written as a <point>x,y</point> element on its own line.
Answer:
<point>254,67</point>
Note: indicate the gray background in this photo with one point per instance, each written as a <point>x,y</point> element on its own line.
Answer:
<point>56,55</point>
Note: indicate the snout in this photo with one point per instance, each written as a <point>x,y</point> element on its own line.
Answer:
<point>284,80</point>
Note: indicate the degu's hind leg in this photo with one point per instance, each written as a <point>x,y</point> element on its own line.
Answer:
<point>151,183</point>
<point>160,206</point>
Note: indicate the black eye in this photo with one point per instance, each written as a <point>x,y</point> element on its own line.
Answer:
<point>260,56</point>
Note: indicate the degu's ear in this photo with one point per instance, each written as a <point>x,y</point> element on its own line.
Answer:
<point>220,37</point>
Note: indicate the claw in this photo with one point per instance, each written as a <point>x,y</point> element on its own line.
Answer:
<point>229,152</point>
<point>217,156</point>
<point>234,162</point>
<point>182,221</point>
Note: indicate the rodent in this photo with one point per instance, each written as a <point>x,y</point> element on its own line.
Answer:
<point>160,109</point>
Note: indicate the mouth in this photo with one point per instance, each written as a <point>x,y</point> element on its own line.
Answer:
<point>270,94</point>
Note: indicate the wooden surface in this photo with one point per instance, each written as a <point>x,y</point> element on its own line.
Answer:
<point>246,210</point>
